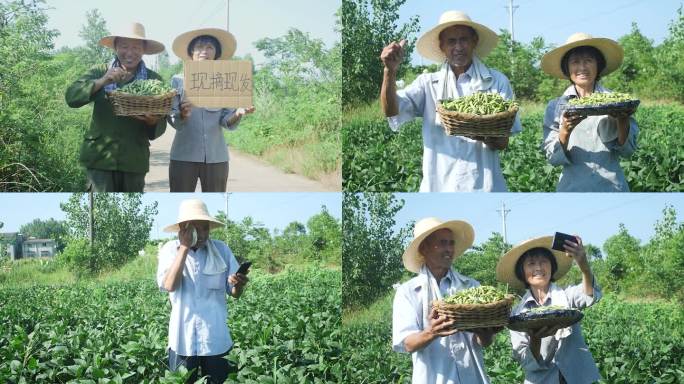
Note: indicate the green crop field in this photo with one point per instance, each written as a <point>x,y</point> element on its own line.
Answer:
<point>286,329</point>
<point>631,343</point>
<point>379,160</point>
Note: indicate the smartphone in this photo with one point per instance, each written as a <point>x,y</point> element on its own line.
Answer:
<point>244,267</point>
<point>194,234</point>
<point>559,241</point>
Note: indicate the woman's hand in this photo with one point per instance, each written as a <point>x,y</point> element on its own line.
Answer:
<point>186,109</point>
<point>576,251</point>
<point>568,124</point>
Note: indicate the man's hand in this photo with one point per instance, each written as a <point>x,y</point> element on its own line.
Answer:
<point>392,55</point>
<point>148,119</point>
<point>116,75</point>
<point>185,234</point>
<point>485,336</point>
<point>440,326</point>
<point>238,281</point>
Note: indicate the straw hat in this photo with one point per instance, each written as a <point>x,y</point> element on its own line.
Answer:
<point>193,209</point>
<point>134,31</point>
<point>611,50</point>
<point>428,43</point>
<point>225,38</point>
<point>505,268</point>
<point>463,237</point>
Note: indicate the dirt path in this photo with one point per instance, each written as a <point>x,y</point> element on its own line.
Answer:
<point>247,173</point>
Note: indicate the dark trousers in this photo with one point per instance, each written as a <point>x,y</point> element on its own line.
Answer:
<point>183,176</point>
<point>217,367</point>
<point>114,181</point>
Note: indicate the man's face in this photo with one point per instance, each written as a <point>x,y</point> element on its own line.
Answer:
<point>202,227</point>
<point>129,52</point>
<point>438,249</point>
<point>458,43</point>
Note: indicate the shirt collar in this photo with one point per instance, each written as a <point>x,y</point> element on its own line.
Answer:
<point>528,300</point>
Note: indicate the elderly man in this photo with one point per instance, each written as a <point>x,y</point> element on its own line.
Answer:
<point>198,272</point>
<point>450,163</point>
<point>440,353</point>
<point>115,150</point>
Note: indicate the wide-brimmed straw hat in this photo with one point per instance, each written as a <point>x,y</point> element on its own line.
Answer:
<point>463,239</point>
<point>225,38</point>
<point>505,268</point>
<point>611,50</point>
<point>428,43</point>
<point>134,31</point>
<point>193,209</point>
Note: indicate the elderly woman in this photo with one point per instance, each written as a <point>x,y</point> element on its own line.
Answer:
<point>550,355</point>
<point>115,149</point>
<point>588,148</point>
<point>199,149</point>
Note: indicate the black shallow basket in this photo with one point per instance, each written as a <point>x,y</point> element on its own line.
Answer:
<point>527,321</point>
<point>623,107</point>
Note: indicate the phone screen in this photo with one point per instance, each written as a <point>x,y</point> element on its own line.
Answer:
<point>244,267</point>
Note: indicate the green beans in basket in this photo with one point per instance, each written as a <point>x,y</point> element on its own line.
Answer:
<point>479,295</point>
<point>146,88</point>
<point>601,98</point>
<point>479,104</point>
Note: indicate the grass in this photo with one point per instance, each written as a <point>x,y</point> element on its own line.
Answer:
<point>298,133</point>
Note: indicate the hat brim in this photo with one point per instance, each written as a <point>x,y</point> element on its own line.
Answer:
<point>464,235</point>
<point>611,50</point>
<point>428,43</point>
<point>152,47</point>
<point>225,38</point>
<point>213,223</point>
<point>505,268</point>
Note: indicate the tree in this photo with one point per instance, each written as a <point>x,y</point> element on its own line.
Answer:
<point>480,262</point>
<point>91,32</point>
<point>664,259</point>
<point>367,27</point>
<point>122,228</point>
<point>47,229</point>
<point>371,246</point>
<point>623,262</point>
<point>324,234</point>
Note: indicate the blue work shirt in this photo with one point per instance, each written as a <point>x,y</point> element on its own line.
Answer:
<point>566,351</point>
<point>199,312</point>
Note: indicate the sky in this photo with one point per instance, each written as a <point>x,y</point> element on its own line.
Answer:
<point>554,20</point>
<point>250,20</point>
<point>593,216</point>
<point>274,210</point>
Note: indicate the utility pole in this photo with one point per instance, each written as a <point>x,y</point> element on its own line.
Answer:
<point>504,212</point>
<point>511,10</point>
<point>226,223</point>
<point>227,29</point>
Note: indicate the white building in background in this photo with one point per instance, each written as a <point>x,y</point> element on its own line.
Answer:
<point>38,248</point>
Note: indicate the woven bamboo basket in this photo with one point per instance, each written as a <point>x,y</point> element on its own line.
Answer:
<point>471,316</point>
<point>623,108</point>
<point>125,104</point>
<point>466,124</point>
<point>525,322</point>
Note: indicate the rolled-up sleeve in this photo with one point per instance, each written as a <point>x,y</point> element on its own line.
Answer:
<point>404,320</point>
<point>551,145</point>
<point>164,260</point>
<point>411,102</point>
<point>630,145</point>
<point>580,300</point>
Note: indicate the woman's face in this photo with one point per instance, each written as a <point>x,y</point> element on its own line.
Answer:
<point>203,51</point>
<point>583,69</point>
<point>129,52</point>
<point>537,269</point>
